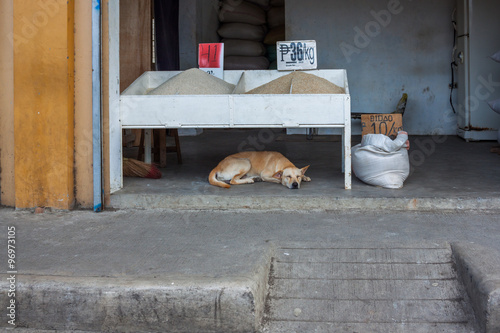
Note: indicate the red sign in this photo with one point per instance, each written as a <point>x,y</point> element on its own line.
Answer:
<point>209,55</point>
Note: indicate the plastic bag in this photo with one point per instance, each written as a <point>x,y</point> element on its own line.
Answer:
<point>380,161</point>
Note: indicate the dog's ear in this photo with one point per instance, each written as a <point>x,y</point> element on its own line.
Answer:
<point>278,174</point>
<point>304,169</point>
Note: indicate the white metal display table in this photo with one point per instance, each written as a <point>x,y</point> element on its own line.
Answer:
<point>239,110</point>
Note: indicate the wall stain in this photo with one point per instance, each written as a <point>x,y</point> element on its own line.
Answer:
<point>430,96</point>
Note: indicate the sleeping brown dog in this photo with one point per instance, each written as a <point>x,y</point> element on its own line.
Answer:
<point>248,167</point>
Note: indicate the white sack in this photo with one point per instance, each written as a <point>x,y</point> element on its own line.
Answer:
<point>380,161</point>
<point>495,105</point>
<point>496,56</point>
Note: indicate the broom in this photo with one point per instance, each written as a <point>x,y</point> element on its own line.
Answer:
<point>135,168</point>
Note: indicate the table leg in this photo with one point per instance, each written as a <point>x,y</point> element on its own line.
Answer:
<point>147,145</point>
<point>346,156</point>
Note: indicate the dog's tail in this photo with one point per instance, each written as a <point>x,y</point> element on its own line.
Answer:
<point>212,178</point>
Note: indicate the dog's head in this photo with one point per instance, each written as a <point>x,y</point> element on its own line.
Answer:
<point>291,177</point>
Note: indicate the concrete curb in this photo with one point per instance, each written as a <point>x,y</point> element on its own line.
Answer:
<point>97,304</point>
<point>138,304</point>
<point>284,203</point>
<point>479,268</point>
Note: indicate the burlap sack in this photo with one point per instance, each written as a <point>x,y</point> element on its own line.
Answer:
<point>242,31</point>
<point>232,11</point>
<point>245,63</point>
<point>276,17</point>
<point>275,35</point>
<point>241,47</point>
<point>262,3</point>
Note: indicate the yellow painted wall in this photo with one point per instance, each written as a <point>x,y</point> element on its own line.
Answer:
<point>7,195</point>
<point>83,104</point>
<point>44,103</point>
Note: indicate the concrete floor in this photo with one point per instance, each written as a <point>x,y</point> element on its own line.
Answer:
<point>446,173</point>
<point>193,271</point>
<point>188,269</point>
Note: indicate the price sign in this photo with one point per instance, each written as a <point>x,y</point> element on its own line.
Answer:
<point>211,59</point>
<point>387,124</point>
<point>296,55</point>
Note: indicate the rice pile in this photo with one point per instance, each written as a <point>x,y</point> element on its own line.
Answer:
<point>311,84</point>
<point>303,83</point>
<point>193,82</point>
<point>280,85</point>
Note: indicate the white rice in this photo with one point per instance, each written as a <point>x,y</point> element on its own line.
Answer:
<point>193,82</point>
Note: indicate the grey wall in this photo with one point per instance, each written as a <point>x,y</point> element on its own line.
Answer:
<point>388,47</point>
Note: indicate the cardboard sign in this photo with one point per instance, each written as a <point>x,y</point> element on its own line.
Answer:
<point>382,123</point>
<point>211,58</point>
<point>296,55</point>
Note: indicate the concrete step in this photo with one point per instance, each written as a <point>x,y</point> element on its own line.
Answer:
<point>337,199</point>
<point>136,304</point>
<point>369,288</point>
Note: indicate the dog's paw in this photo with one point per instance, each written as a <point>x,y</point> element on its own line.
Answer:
<point>306,179</point>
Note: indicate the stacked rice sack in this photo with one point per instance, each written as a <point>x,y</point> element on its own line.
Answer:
<point>242,30</point>
<point>276,29</point>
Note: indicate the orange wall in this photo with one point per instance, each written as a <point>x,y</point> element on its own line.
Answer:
<point>7,195</point>
<point>83,104</point>
<point>44,103</point>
